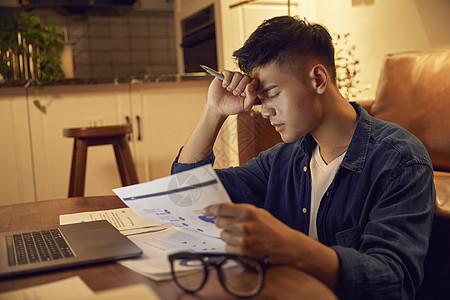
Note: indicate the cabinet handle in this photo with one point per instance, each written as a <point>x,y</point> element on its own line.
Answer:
<point>127,119</point>
<point>138,120</point>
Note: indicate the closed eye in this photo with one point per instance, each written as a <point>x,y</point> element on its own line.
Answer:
<point>274,96</point>
<point>265,92</point>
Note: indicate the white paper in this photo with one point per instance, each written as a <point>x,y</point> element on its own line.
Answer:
<point>74,288</point>
<point>69,288</point>
<point>178,200</point>
<point>184,195</point>
<point>124,219</point>
<point>157,246</point>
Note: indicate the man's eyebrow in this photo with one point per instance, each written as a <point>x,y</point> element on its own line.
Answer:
<point>268,88</point>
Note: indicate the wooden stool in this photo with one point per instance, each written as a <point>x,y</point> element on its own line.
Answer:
<point>94,136</point>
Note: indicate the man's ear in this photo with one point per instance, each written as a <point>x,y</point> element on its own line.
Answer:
<point>319,78</point>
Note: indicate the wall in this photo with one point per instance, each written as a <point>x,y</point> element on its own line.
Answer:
<point>378,27</point>
<point>139,43</point>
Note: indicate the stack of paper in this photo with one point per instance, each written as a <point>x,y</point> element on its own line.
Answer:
<point>178,200</point>
<point>124,219</point>
<point>166,218</point>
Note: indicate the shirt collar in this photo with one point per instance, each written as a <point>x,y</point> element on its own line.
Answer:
<point>355,157</point>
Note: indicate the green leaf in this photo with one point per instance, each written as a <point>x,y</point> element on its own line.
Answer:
<point>51,26</point>
<point>35,19</point>
<point>37,104</point>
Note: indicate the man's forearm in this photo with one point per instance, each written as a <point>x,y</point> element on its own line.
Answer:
<point>200,143</point>
<point>322,262</point>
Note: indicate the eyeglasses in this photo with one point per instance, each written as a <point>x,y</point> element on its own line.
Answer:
<point>241,276</point>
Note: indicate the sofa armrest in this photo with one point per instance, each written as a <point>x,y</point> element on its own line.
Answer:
<point>442,183</point>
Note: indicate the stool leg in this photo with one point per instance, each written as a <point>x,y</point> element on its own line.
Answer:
<point>78,171</point>
<point>125,163</point>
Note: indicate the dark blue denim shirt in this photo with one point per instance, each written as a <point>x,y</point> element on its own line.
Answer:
<point>376,214</point>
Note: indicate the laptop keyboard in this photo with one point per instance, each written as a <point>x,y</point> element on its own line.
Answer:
<point>37,246</point>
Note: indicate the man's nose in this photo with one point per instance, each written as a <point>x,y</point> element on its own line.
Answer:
<point>267,110</point>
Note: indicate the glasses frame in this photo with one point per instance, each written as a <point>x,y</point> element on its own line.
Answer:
<point>201,256</point>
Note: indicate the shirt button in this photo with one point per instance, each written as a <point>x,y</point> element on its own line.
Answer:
<point>304,210</point>
<point>305,169</point>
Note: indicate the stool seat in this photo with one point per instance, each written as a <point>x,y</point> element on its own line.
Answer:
<point>101,131</point>
<point>94,136</point>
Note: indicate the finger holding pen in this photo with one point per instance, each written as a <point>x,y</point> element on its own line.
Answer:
<point>251,95</point>
<point>235,82</point>
<point>240,85</point>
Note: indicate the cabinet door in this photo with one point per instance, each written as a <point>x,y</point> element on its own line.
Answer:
<point>16,173</point>
<point>75,106</point>
<point>168,113</point>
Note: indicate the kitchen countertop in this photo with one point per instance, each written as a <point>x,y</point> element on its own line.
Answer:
<point>117,80</point>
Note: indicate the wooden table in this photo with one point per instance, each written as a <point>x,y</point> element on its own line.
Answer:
<point>282,282</point>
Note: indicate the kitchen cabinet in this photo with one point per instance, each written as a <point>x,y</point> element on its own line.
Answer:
<point>16,172</point>
<point>74,106</point>
<point>36,157</point>
<point>164,114</point>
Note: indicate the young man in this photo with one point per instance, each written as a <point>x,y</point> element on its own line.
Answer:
<point>346,198</point>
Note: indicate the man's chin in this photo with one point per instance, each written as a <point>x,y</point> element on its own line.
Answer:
<point>285,139</point>
<point>288,139</point>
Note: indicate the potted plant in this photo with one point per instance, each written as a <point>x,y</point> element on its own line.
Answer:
<point>347,68</point>
<point>30,50</point>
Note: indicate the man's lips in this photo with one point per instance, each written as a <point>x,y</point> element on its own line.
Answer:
<point>278,126</point>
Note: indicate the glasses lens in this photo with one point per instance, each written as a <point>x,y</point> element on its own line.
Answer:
<point>242,277</point>
<point>189,273</point>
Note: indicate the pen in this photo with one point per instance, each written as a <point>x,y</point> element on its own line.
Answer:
<point>212,72</point>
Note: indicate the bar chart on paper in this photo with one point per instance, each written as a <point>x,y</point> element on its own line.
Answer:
<point>178,200</point>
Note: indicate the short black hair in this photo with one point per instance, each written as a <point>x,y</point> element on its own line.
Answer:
<point>290,42</point>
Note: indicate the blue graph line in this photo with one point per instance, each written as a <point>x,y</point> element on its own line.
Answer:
<point>187,188</point>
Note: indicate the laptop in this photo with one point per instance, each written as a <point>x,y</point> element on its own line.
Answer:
<point>43,249</point>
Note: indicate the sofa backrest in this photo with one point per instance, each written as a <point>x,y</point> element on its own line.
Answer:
<point>414,92</point>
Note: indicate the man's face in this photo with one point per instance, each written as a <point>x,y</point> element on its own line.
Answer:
<point>290,103</point>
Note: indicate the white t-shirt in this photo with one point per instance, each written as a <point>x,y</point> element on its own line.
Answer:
<point>321,177</point>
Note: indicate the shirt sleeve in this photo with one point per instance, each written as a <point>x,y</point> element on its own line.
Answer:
<point>180,167</point>
<point>244,184</point>
<point>394,243</point>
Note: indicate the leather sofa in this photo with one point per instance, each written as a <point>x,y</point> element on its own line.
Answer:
<point>413,91</point>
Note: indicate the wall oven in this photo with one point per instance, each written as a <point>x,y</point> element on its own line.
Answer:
<point>199,40</point>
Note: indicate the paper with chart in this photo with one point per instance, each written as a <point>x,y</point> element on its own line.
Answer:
<point>157,246</point>
<point>178,200</point>
<point>156,240</point>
